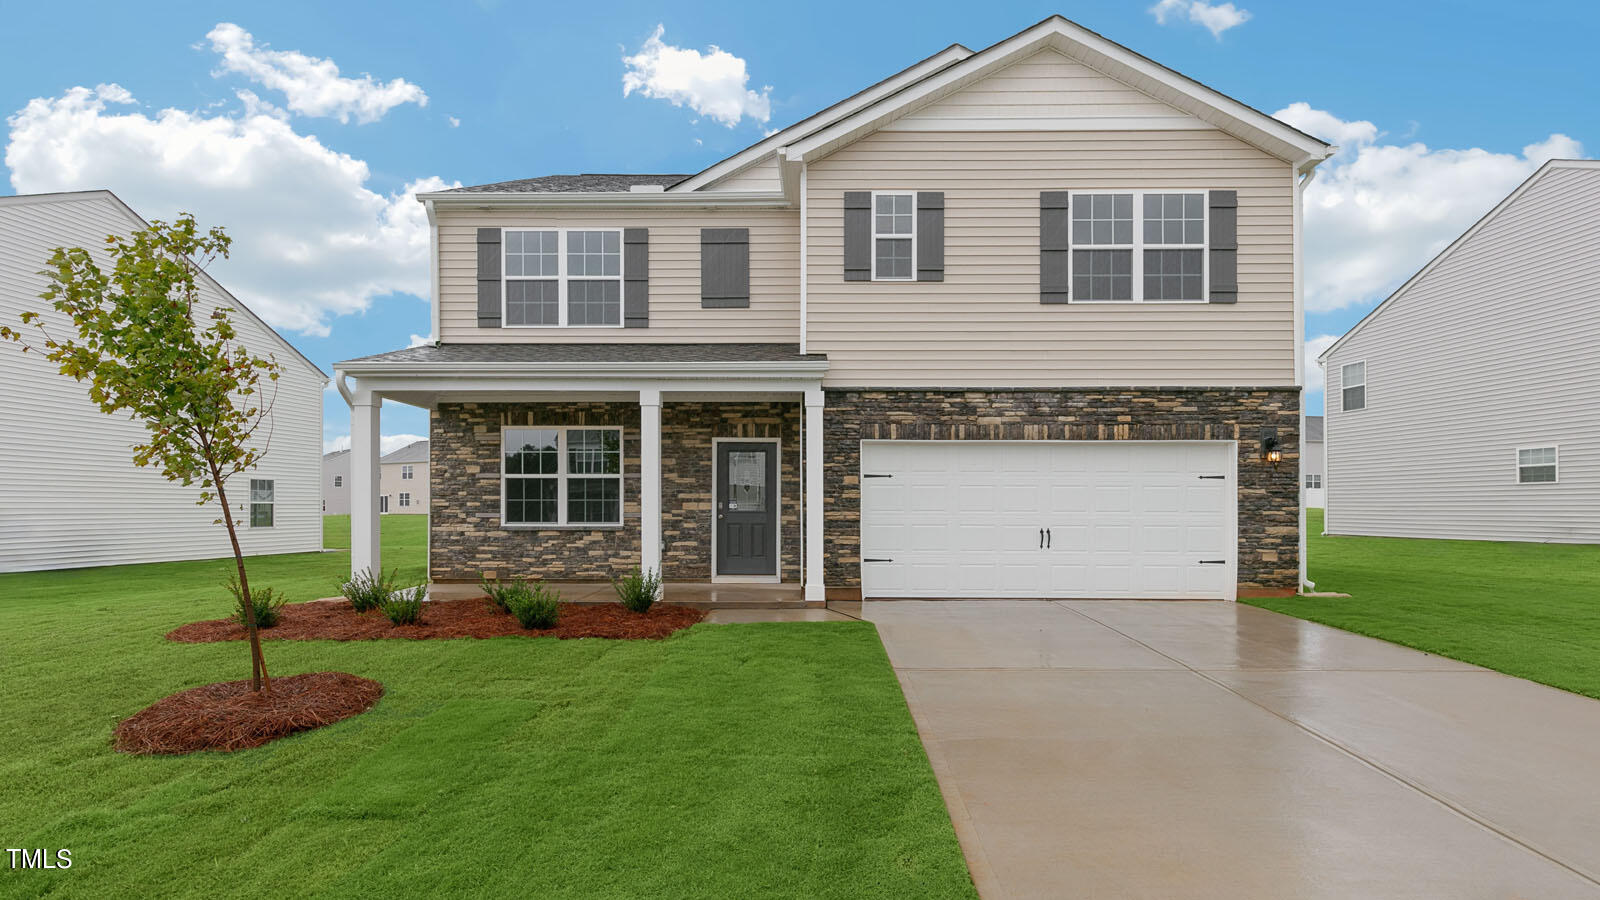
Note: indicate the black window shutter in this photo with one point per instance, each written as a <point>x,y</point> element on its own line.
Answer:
<point>724,268</point>
<point>1224,249</point>
<point>930,235</point>
<point>489,278</point>
<point>1055,246</point>
<point>857,235</point>
<point>636,277</point>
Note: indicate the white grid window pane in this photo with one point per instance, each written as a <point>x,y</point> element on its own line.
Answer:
<point>894,258</point>
<point>531,500</point>
<point>531,451</point>
<point>594,254</point>
<point>1102,219</point>
<point>531,254</point>
<point>894,214</point>
<point>1173,274</point>
<point>594,302</point>
<point>1174,219</point>
<point>533,303</point>
<point>594,451</point>
<point>1102,274</point>
<point>594,501</point>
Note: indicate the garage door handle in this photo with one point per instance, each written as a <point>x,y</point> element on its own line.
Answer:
<point>1216,477</point>
<point>1213,562</point>
<point>875,559</point>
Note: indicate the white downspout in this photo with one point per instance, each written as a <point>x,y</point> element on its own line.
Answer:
<point>803,248</point>
<point>1300,183</point>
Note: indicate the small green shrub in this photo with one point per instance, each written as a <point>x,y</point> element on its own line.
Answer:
<point>502,594</point>
<point>639,591</point>
<point>268,604</point>
<point>368,590</point>
<point>536,606</point>
<point>404,607</point>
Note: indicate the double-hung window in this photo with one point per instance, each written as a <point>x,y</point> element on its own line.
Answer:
<point>1139,246</point>
<point>562,476</point>
<point>262,500</point>
<point>894,236</point>
<point>1536,465</point>
<point>1353,386</point>
<point>405,498</point>
<point>563,278</point>
<point>338,481</point>
<point>406,473</point>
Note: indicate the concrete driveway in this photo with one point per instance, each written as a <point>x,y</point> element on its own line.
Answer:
<point>1200,750</point>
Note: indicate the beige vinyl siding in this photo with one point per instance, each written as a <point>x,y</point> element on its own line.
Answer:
<point>1491,350</point>
<point>1044,85</point>
<point>675,314</point>
<point>984,326</point>
<point>391,484</point>
<point>763,176</point>
<point>70,495</point>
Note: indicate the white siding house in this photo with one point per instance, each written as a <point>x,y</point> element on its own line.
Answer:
<point>336,483</point>
<point>70,495</point>
<point>403,480</point>
<point>1467,405</point>
<point>1314,463</point>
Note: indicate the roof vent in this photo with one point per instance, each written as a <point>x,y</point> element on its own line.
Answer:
<point>647,188</point>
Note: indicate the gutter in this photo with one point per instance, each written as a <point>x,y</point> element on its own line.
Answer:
<point>607,200</point>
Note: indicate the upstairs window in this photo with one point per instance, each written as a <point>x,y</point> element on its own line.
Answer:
<point>562,476</point>
<point>405,473</point>
<point>1536,465</point>
<point>894,236</point>
<point>563,278</point>
<point>338,481</point>
<point>1139,246</point>
<point>262,499</point>
<point>1353,386</point>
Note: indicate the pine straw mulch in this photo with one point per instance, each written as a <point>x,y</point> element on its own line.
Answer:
<point>334,620</point>
<point>229,716</point>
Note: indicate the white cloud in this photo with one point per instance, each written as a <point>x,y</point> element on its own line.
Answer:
<point>419,340</point>
<point>1377,212</point>
<point>311,240</point>
<point>454,122</point>
<point>1314,347</point>
<point>712,84</point>
<point>388,443</point>
<point>1214,17</point>
<point>312,86</point>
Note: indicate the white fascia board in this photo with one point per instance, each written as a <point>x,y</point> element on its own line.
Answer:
<point>521,372</point>
<point>1449,250</point>
<point>760,150</point>
<point>607,200</point>
<point>1085,46</point>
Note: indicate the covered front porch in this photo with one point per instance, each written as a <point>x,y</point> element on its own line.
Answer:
<point>575,464</point>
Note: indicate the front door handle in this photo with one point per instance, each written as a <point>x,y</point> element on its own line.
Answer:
<point>1041,539</point>
<point>1047,539</point>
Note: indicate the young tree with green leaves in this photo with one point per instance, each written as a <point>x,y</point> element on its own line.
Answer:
<point>147,350</point>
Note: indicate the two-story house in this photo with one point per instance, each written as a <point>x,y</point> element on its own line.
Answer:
<point>1020,322</point>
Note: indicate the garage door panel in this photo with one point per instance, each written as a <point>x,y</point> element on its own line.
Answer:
<point>963,519</point>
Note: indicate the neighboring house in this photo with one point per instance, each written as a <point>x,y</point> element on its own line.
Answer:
<point>70,494</point>
<point>1467,404</point>
<point>336,483</point>
<point>1313,463</point>
<point>1020,322</point>
<point>403,485</point>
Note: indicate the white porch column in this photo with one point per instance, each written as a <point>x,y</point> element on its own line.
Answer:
<point>365,430</point>
<point>815,591</point>
<point>650,479</point>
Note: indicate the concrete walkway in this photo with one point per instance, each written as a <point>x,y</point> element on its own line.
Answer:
<point>1215,750</point>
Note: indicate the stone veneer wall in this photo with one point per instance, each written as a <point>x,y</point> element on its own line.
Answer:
<point>1269,499</point>
<point>466,537</point>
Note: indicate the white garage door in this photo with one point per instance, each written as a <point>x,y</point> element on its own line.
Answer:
<point>1048,519</point>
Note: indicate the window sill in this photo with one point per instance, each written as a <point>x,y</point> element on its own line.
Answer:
<point>514,526</point>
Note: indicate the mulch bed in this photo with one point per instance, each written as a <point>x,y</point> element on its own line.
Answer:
<point>229,716</point>
<point>334,620</point>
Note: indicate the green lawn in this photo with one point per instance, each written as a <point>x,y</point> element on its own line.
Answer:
<point>728,761</point>
<point>1531,610</point>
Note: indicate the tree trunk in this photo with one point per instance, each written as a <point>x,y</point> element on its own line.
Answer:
<point>259,679</point>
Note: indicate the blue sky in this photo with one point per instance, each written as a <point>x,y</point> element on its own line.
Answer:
<point>1442,108</point>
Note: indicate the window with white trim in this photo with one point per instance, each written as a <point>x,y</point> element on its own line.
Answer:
<point>338,481</point>
<point>1353,386</point>
<point>262,500</point>
<point>405,475</point>
<point>1138,246</point>
<point>561,476</point>
<point>383,503</point>
<point>1313,482</point>
<point>563,278</point>
<point>894,236</point>
<point>405,498</point>
<point>1536,465</point>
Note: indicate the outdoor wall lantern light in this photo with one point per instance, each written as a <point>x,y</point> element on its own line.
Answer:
<point>1271,451</point>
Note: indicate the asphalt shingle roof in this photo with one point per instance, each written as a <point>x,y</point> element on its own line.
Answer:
<point>414,452</point>
<point>595,353</point>
<point>568,184</point>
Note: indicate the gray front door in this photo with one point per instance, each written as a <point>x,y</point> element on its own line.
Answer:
<point>747,509</point>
